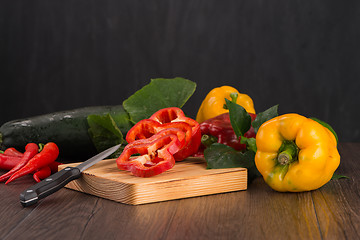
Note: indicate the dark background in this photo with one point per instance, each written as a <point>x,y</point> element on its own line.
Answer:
<point>302,55</point>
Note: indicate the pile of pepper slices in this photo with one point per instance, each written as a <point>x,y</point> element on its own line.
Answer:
<point>41,162</point>
<point>155,144</point>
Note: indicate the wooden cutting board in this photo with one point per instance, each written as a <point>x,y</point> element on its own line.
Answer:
<point>188,178</point>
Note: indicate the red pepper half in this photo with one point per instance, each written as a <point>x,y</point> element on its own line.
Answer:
<point>220,127</point>
<point>174,114</point>
<point>156,155</point>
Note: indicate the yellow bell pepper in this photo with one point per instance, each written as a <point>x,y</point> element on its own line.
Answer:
<point>295,153</point>
<point>213,104</point>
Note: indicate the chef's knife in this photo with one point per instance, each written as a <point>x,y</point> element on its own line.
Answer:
<point>60,179</point>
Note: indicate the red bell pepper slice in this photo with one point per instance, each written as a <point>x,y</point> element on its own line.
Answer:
<point>147,128</point>
<point>156,154</point>
<point>173,131</point>
<point>174,114</point>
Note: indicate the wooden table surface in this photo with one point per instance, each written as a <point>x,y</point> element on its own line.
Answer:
<point>331,212</point>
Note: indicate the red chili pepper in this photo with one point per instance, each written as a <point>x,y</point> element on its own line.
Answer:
<point>174,114</point>
<point>10,158</point>
<point>31,150</point>
<point>8,162</point>
<point>13,152</point>
<point>42,173</point>
<point>48,155</point>
<point>54,166</point>
<point>156,155</point>
<point>220,127</point>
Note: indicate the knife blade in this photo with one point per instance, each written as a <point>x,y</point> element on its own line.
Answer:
<point>58,180</point>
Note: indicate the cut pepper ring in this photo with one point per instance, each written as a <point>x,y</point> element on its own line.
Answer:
<point>147,128</point>
<point>156,154</point>
<point>174,114</point>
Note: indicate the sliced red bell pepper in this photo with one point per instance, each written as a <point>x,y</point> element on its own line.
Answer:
<point>147,128</point>
<point>173,131</point>
<point>174,114</point>
<point>156,154</point>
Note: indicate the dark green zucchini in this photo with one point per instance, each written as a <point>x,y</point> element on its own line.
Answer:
<point>68,129</point>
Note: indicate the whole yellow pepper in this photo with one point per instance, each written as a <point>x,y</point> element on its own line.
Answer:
<point>213,104</point>
<point>295,153</point>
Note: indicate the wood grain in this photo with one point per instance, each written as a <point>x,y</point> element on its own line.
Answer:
<point>188,178</point>
<point>331,212</point>
<point>337,204</point>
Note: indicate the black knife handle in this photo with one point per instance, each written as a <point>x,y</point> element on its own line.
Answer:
<point>49,185</point>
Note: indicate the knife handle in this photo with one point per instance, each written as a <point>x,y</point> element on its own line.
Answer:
<point>49,186</point>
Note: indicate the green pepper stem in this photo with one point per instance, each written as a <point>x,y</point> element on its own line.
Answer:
<point>288,153</point>
<point>233,97</point>
<point>284,158</point>
<point>207,140</point>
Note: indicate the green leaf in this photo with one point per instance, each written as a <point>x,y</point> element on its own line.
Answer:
<point>327,126</point>
<point>219,155</point>
<point>265,116</point>
<point>239,118</point>
<point>159,93</point>
<point>337,176</point>
<point>104,132</point>
<point>121,118</point>
<point>222,156</point>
